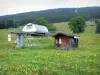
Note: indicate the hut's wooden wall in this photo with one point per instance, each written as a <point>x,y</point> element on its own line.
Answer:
<point>65,41</point>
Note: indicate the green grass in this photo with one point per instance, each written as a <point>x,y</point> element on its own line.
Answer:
<point>46,60</point>
<point>63,26</point>
<point>3,38</point>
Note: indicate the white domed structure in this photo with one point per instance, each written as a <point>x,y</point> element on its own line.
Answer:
<point>35,28</point>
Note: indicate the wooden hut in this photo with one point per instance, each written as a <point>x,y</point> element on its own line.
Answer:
<point>65,41</point>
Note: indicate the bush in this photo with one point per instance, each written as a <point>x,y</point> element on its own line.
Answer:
<point>42,21</point>
<point>97,26</point>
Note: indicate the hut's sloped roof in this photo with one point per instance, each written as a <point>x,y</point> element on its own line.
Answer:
<point>66,34</point>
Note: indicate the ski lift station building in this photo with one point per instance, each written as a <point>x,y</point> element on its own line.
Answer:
<point>28,30</point>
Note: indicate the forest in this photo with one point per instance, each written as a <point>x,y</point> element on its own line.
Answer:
<point>51,15</point>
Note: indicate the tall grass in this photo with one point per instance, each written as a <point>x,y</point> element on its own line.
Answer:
<point>46,60</point>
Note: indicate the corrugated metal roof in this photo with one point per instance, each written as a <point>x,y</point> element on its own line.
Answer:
<point>35,28</point>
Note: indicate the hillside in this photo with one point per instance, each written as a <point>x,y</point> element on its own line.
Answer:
<point>54,15</point>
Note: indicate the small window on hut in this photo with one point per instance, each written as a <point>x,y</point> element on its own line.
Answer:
<point>72,41</point>
<point>60,41</point>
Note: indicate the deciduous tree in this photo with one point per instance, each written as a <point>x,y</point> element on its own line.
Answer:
<point>77,24</point>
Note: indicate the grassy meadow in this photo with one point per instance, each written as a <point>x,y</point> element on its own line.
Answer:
<point>46,60</point>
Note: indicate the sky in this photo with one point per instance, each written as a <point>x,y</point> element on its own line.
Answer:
<point>8,7</point>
